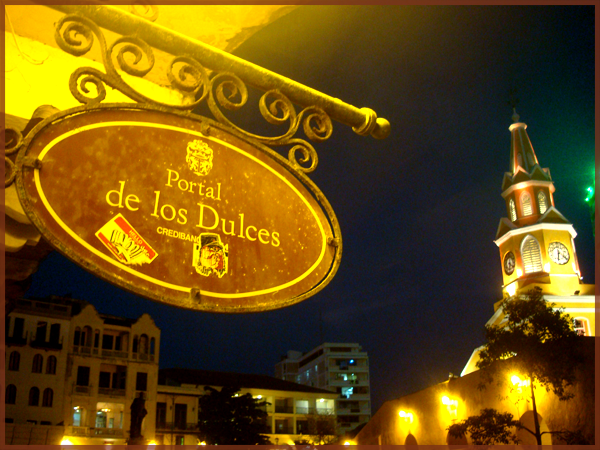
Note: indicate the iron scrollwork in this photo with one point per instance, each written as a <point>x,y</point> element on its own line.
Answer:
<point>75,35</point>
<point>12,143</point>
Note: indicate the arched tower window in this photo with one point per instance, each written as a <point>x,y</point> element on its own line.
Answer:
<point>526,204</point>
<point>542,202</point>
<point>38,363</point>
<point>51,365</point>
<point>531,255</point>
<point>11,394</point>
<point>86,336</point>
<point>144,344</point>
<point>152,345</point>
<point>512,210</point>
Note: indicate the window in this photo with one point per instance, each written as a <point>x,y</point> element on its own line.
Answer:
<point>512,209</point>
<point>135,344</point>
<point>347,392</point>
<point>107,341</point>
<point>51,365</point>
<point>526,204</point>
<point>83,376</point>
<point>34,396</point>
<point>86,336</point>
<point>40,333</point>
<point>76,336</point>
<point>104,381</point>
<point>542,203</point>
<point>38,363</point>
<point>141,381</point>
<point>96,338</point>
<point>144,344</point>
<point>14,360</point>
<point>581,326</point>
<point>54,333</point>
<point>161,415</point>
<point>45,422</point>
<point>179,440</point>
<point>47,397</point>
<point>77,416</point>
<point>18,328</point>
<point>152,345</point>
<point>180,416</point>
<point>11,394</point>
<point>531,255</point>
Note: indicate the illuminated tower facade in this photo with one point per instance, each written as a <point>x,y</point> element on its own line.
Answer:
<point>536,242</point>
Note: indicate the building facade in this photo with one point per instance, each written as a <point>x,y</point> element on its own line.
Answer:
<point>71,367</point>
<point>339,367</point>
<point>290,406</point>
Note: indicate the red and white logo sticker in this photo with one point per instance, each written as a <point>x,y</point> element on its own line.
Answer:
<point>125,243</point>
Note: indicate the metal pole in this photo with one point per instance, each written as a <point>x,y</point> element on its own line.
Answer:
<point>363,120</point>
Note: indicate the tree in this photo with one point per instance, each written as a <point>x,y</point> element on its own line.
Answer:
<point>489,427</point>
<point>322,428</point>
<point>228,418</point>
<point>542,346</point>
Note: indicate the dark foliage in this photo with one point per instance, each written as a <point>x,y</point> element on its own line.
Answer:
<point>227,418</point>
<point>488,428</point>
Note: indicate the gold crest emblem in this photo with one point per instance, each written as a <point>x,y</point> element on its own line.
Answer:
<point>199,157</point>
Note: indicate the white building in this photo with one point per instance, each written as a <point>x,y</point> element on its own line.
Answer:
<point>289,409</point>
<point>341,368</point>
<point>70,367</point>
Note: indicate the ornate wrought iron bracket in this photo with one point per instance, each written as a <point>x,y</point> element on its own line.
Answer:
<point>363,121</point>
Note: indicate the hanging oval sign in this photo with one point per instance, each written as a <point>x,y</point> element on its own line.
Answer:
<point>177,208</point>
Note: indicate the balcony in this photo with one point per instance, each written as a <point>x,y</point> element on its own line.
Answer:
<point>143,357</point>
<point>305,410</point>
<point>93,432</point>
<point>114,354</point>
<point>287,409</point>
<point>16,340</point>
<point>109,392</point>
<point>176,426</point>
<point>84,390</point>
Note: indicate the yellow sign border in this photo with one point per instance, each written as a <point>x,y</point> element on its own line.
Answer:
<point>59,221</point>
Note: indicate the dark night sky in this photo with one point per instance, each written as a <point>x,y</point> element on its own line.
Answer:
<point>419,210</point>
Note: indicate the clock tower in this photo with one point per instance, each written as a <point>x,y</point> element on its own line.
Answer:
<point>536,242</point>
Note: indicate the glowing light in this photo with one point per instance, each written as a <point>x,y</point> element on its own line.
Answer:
<point>321,400</point>
<point>152,443</point>
<point>66,442</point>
<point>259,397</point>
<point>547,267</point>
<point>515,379</point>
<point>202,443</point>
<point>407,416</point>
<point>451,404</point>
<point>511,289</point>
<point>519,273</point>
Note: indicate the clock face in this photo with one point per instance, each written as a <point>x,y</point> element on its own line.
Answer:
<point>509,263</point>
<point>558,253</point>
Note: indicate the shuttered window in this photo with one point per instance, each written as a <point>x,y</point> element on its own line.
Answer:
<point>512,209</point>
<point>542,203</point>
<point>526,204</point>
<point>531,255</point>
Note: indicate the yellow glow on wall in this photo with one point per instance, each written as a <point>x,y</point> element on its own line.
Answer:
<point>66,442</point>
<point>519,273</point>
<point>407,416</point>
<point>451,405</point>
<point>511,289</point>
